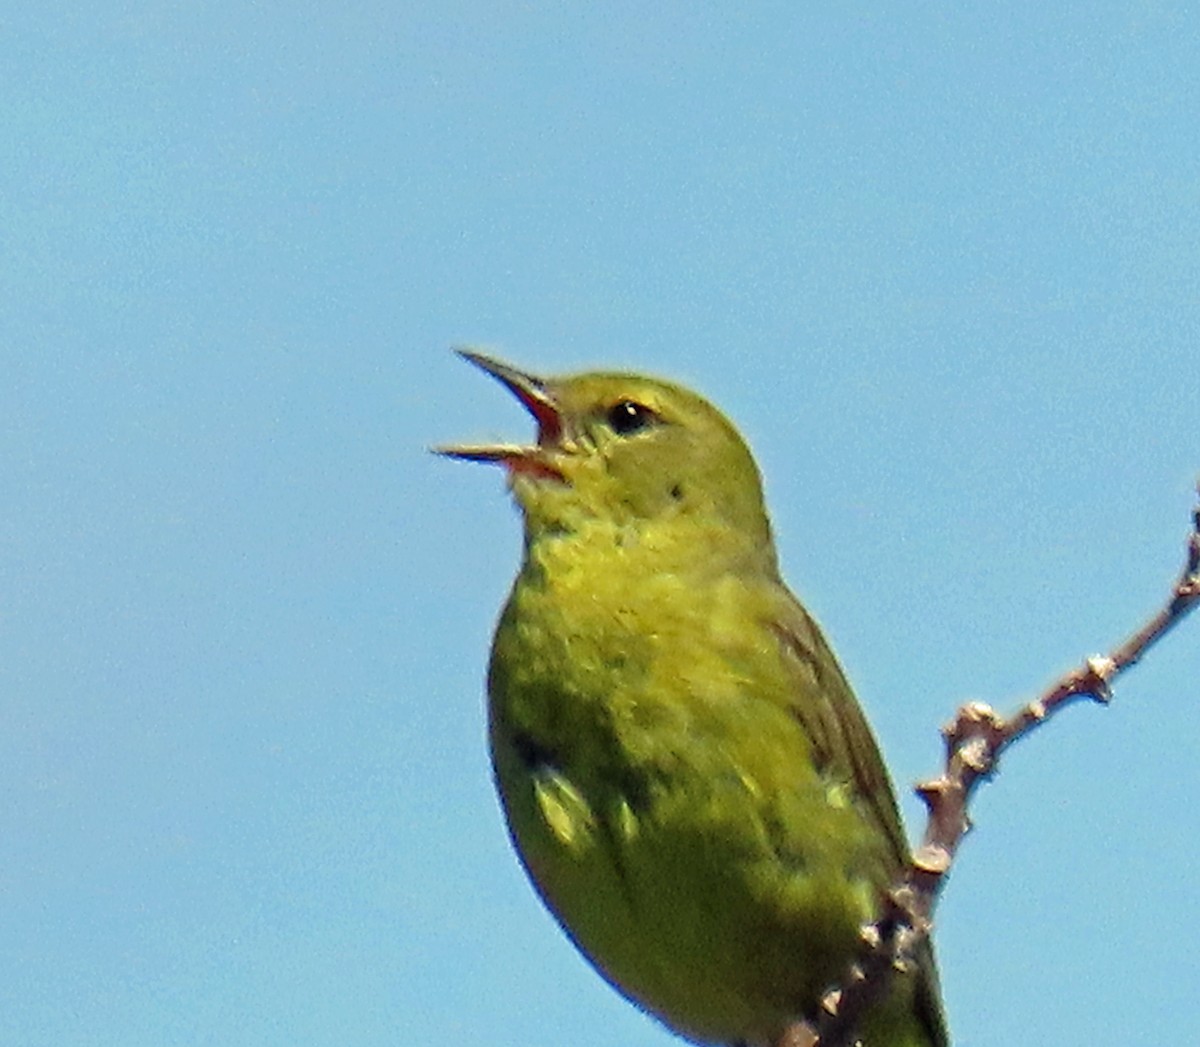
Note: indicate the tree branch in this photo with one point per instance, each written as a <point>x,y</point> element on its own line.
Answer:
<point>974,742</point>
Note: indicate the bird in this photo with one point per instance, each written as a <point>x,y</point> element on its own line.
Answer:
<point>685,772</point>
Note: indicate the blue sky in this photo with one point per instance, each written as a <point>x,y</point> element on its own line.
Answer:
<point>940,264</point>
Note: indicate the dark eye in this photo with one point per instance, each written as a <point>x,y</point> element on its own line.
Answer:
<point>628,416</point>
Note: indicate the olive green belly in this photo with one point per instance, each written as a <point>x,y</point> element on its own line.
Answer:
<point>703,900</point>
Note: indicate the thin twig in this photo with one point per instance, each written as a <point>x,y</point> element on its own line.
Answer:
<point>974,742</point>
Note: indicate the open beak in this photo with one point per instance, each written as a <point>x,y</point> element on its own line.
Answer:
<point>537,400</point>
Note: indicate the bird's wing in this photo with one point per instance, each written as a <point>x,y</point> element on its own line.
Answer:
<point>845,747</point>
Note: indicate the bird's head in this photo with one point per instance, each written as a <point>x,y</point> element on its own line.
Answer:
<point>626,449</point>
